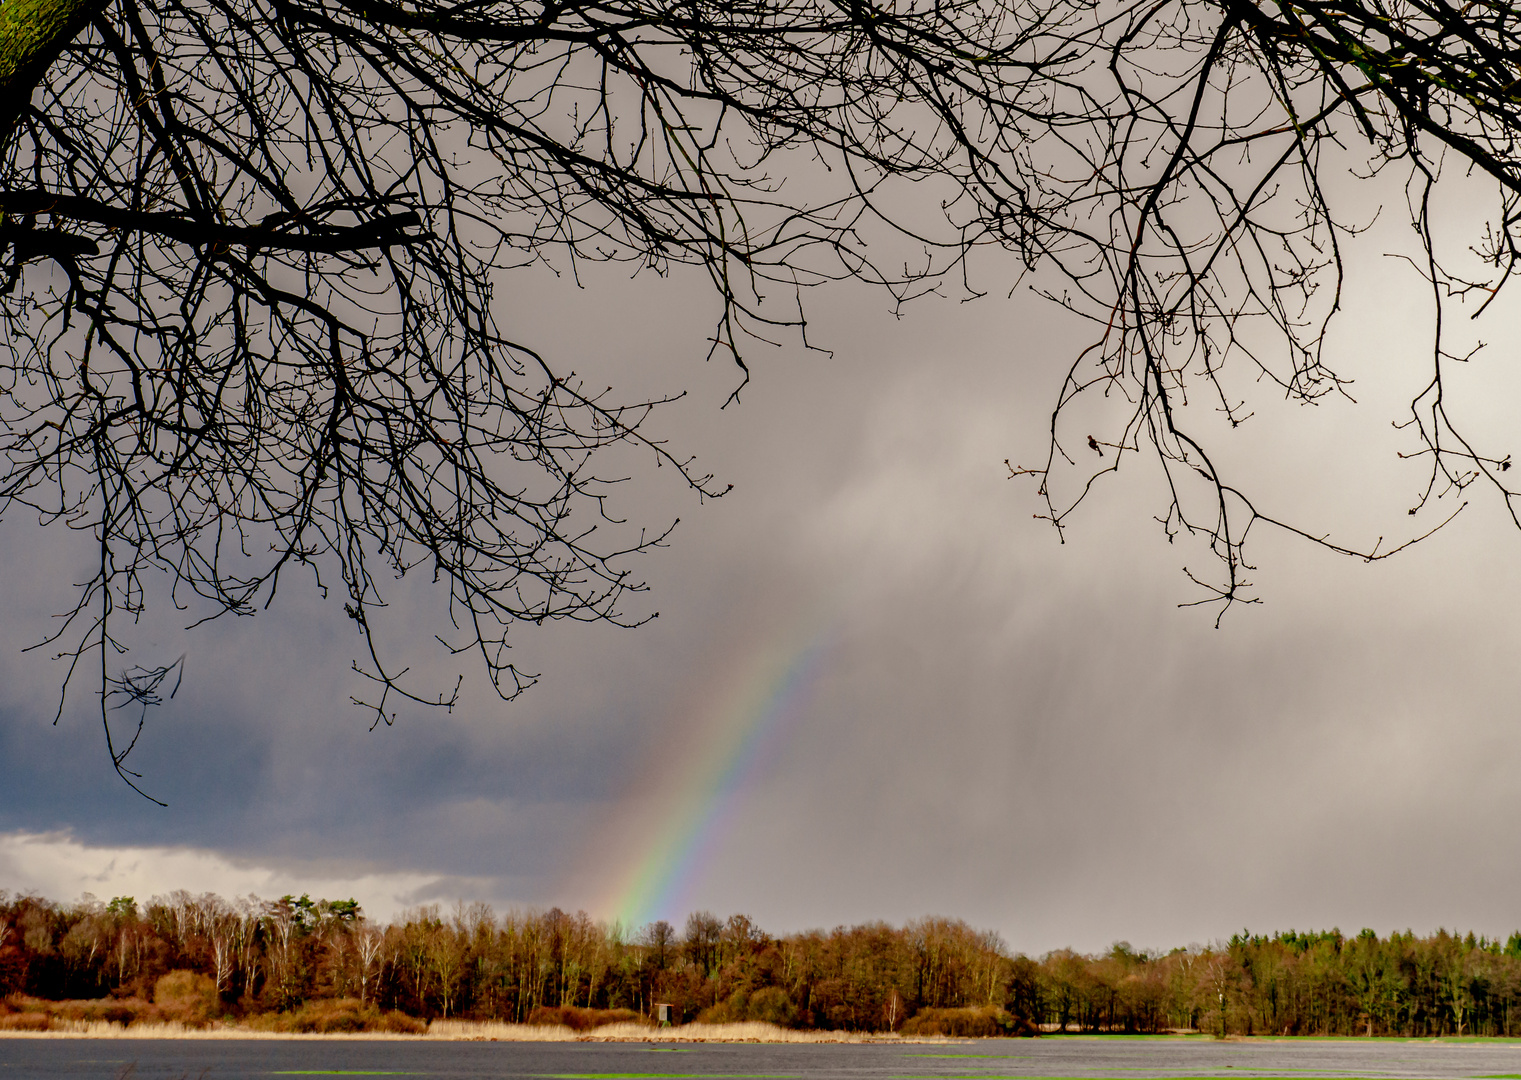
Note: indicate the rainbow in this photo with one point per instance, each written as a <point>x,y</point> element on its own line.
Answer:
<point>724,745</point>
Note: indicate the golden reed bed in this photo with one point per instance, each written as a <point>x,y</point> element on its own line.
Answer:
<point>468,1030</point>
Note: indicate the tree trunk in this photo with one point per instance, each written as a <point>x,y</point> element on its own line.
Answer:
<point>32,34</point>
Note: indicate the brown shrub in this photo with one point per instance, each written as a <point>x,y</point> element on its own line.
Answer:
<point>338,1015</point>
<point>25,1021</point>
<point>970,1023</point>
<point>333,1016</point>
<point>768,1005</point>
<point>187,996</point>
<point>401,1024</point>
<point>111,1010</point>
<point>722,1013</point>
<point>581,1019</point>
<point>22,1013</point>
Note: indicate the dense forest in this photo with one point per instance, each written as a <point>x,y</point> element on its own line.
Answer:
<point>321,965</point>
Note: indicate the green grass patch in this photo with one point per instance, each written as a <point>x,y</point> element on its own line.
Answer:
<point>661,1076</point>
<point>742,1076</point>
<point>1236,1070</point>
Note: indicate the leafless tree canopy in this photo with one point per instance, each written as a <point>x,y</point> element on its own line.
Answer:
<point>1206,193</point>
<point>249,248</point>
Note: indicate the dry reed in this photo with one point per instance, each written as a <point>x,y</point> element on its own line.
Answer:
<point>470,1030</point>
<point>747,1031</point>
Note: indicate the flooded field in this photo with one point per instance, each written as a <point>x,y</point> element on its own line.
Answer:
<point>1116,1058</point>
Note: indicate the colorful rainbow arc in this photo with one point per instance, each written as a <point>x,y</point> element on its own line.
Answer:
<point>731,751</point>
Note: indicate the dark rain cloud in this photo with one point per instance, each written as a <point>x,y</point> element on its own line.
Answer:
<point>1028,734</point>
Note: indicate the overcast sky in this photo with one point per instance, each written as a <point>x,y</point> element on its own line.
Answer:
<point>877,688</point>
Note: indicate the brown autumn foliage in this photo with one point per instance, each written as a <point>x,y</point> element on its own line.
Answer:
<point>187,997</point>
<point>35,1020</point>
<point>972,1023</point>
<point>302,965</point>
<point>581,1019</point>
<point>20,1012</point>
<point>338,1016</point>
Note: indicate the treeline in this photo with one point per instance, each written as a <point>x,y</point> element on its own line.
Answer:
<point>200,959</point>
<point>1282,984</point>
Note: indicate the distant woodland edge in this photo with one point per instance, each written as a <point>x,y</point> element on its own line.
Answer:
<point>320,966</point>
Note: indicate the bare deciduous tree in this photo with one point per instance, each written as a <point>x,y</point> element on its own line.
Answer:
<point>370,948</point>
<point>1218,157</point>
<point>250,247</point>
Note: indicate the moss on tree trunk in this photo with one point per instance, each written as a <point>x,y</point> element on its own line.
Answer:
<point>32,34</point>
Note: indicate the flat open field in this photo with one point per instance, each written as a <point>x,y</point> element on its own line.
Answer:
<point>992,1059</point>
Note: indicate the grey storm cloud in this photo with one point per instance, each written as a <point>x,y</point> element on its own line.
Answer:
<point>1026,733</point>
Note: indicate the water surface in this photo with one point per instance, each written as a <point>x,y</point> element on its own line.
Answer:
<point>990,1059</point>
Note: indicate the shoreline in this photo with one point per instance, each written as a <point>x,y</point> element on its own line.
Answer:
<point>483,1031</point>
<point>742,1033</point>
